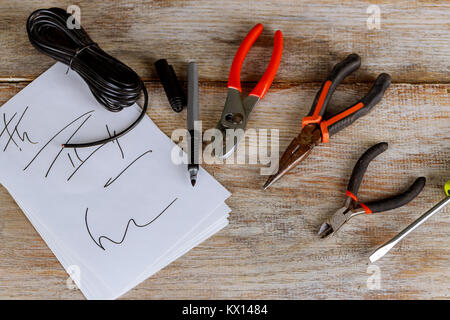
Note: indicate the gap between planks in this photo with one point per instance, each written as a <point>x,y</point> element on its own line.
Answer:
<point>275,84</point>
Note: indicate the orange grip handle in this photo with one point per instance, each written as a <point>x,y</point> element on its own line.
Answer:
<point>267,79</point>
<point>234,79</point>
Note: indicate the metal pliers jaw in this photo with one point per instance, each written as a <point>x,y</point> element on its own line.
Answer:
<point>353,207</point>
<point>327,125</point>
<point>298,150</point>
<point>236,111</point>
<point>235,116</point>
<point>340,217</point>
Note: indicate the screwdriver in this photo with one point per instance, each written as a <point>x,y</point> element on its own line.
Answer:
<point>381,251</point>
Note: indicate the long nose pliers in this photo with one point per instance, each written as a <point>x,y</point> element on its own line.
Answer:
<point>353,206</point>
<point>236,111</point>
<point>316,127</point>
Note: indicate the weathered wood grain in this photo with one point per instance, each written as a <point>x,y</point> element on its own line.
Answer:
<point>412,43</point>
<point>270,248</point>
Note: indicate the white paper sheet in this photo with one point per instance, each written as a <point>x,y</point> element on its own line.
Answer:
<point>120,211</point>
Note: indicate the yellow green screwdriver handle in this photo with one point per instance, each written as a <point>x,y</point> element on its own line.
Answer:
<point>447,188</point>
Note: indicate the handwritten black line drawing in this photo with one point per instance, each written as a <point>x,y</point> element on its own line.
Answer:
<point>70,158</point>
<point>51,139</point>
<point>120,147</point>
<point>111,180</point>
<point>7,130</point>
<point>76,153</point>
<point>22,137</point>
<point>6,125</point>
<point>77,167</point>
<point>68,140</point>
<point>116,140</point>
<point>87,158</point>
<point>98,242</point>
<point>83,161</point>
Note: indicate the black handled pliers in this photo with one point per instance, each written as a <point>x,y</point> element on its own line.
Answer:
<point>316,127</point>
<point>353,207</point>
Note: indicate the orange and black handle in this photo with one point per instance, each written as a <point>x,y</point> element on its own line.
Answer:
<point>323,96</point>
<point>345,118</point>
<point>384,204</point>
<point>398,200</point>
<point>234,79</point>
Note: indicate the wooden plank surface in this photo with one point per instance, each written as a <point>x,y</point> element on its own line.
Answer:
<point>411,44</point>
<point>270,248</point>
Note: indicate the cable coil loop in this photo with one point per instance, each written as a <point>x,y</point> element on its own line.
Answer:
<point>79,51</point>
<point>113,84</point>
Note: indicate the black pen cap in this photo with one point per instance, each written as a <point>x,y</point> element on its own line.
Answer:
<point>172,86</point>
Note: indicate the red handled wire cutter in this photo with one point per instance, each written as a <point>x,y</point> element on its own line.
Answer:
<point>236,111</point>
<point>318,128</point>
<point>353,206</point>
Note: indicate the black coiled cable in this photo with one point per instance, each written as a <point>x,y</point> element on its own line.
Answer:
<point>113,84</point>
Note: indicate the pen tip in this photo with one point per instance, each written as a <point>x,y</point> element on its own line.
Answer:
<point>193,181</point>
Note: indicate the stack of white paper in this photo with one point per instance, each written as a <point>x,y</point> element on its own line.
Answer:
<point>113,214</point>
